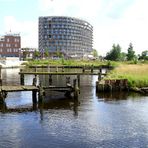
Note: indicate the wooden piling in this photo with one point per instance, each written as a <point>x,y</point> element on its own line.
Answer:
<point>92,68</point>
<point>48,69</point>
<point>67,80</point>
<point>50,79</point>
<point>41,93</point>
<point>83,69</point>
<point>76,89</point>
<point>0,71</point>
<point>35,69</point>
<point>63,69</point>
<point>34,83</point>
<point>57,69</point>
<point>21,78</point>
<point>34,96</point>
<point>78,78</point>
<point>1,83</point>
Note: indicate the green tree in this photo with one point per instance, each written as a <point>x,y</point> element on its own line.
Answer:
<point>95,53</point>
<point>144,55</point>
<point>114,54</point>
<point>46,54</point>
<point>58,53</point>
<point>130,53</point>
<point>36,54</point>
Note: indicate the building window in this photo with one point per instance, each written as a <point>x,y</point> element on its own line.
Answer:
<point>8,40</point>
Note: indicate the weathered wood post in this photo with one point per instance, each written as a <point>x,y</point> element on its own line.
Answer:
<point>34,92</point>
<point>0,71</point>
<point>48,68</point>
<point>21,77</point>
<point>1,83</point>
<point>83,68</point>
<point>41,93</point>
<point>99,74</point>
<point>34,96</point>
<point>92,68</point>
<point>35,70</point>
<point>78,78</point>
<point>34,83</point>
<point>50,79</point>
<point>3,95</point>
<point>67,81</point>
<point>56,68</point>
<point>76,89</point>
<point>63,69</point>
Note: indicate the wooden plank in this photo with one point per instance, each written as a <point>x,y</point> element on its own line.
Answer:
<point>60,73</point>
<point>19,88</point>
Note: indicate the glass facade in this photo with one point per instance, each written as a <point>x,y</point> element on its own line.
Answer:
<point>68,35</point>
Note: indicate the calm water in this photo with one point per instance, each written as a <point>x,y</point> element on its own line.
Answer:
<point>96,121</point>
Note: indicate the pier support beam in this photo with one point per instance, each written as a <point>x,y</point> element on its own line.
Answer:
<point>50,79</point>
<point>92,68</point>
<point>34,97</point>
<point>21,78</point>
<point>76,89</point>
<point>41,93</point>
<point>78,78</point>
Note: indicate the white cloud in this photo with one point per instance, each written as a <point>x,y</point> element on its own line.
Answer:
<point>27,29</point>
<point>114,21</point>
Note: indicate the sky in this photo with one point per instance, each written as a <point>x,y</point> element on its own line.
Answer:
<point>114,21</point>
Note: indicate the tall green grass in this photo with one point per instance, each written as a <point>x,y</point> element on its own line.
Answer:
<point>137,75</point>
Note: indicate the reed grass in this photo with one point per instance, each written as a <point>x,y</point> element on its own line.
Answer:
<point>137,74</point>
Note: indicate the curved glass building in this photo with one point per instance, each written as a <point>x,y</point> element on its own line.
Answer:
<point>68,35</point>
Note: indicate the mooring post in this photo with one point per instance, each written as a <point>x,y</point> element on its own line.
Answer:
<point>67,81</point>
<point>99,76</point>
<point>48,68</point>
<point>92,68</point>
<point>21,77</point>
<point>76,89</point>
<point>41,93</point>
<point>63,69</point>
<point>78,78</point>
<point>0,71</point>
<point>50,79</point>
<point>1,83</point>
<point>35,68</point>
<point>83,69</point>
<point>34,96</point>
<point>3,95</point>
<point>34,83</point>
<point>56,68</point>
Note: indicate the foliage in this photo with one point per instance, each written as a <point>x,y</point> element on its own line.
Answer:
<point>130,53</point>
<point>114,54</point>
<point>36,54</point>
<point>95,53</point>
<point>144,55</point>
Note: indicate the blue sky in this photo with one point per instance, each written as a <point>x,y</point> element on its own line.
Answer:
<point>114,21</point>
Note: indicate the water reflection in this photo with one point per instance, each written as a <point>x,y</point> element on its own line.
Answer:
<point>58,104</point>
<point>116,96</point>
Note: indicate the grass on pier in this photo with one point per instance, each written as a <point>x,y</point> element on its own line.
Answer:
<point>137,74</point>
<point>67,62</point>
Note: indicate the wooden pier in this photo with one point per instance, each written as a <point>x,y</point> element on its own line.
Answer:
<point>69,89</point>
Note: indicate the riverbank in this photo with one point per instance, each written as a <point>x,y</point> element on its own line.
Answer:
<point>136,74</point>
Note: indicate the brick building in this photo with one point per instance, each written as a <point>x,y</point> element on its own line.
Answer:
<point>10,45</point>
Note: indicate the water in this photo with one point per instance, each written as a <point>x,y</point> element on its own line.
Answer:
<point>96,121</point>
